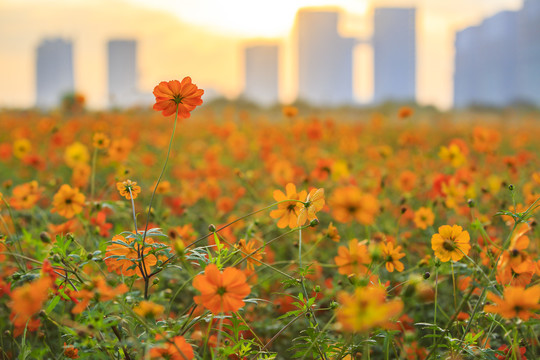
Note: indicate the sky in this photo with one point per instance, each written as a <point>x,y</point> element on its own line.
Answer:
<point>204,39</point>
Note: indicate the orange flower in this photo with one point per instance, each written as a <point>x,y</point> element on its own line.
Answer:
<point>26,300</point>
<point>68,201</point>
<point>100,141</point>
<point>391,256</point>
<point>405,112</point>
<point>353,260</point>
<point>423,218</point>
<point>349,203</point>
<point>25,196</point>
<point>221,291</point>
<point>314,202</point>
<point>124,247</point>
<point>176,348</point>
<point>247,248</point>
<point>288,211</point>
<point>366,308</point>
<point>451,242</point>
<point>516,302</point>
<point>71,352</point>
<point>119,149</point>
<point>128,189</point>
<point>173,96</point>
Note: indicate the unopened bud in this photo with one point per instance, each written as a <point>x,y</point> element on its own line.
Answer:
<point>314,222</point>
<point>212,228</point>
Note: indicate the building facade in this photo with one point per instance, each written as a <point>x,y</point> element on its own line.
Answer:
<point>262,73</point>
<point>325,59</point>
<point>54,72</point>
<point>394,50</point>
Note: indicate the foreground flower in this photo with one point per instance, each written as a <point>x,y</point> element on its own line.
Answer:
<point>353,260</point>
<point>129,189</point>
<point>288,211</point>
<point>366,308</point>
<point>516,302</point>
<point>122,256</point>
<point>27,300</point>
<point>173,95</point>
<point>176,348</point>
<point>313,204</point>
<point>451,242</point>
<point>68,201</point>
<point>221,291</point>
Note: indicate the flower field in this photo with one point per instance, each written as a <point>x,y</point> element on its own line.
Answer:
<point>214,231</point>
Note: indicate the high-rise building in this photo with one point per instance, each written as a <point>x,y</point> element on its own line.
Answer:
<point>54,72</point>
<point>394,49</point>
<point>497,63</point>
<point>325,59</point>
<point>261,73</point>
<point>122,73</point>
<point>466,66</point>
<point>486,63</point>
<point>528,53</point>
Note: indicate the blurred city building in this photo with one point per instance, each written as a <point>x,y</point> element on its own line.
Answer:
<point>262,73</point>
<point>325,59</point>
<point>122,73</point>
<point>394,49</point>
<point>54,72</point>
<point>497,63</point>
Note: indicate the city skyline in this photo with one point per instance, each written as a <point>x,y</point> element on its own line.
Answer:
<point>171,47</point>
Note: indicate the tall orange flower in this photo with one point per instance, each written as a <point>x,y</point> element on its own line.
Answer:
<point>173,95</point>
<point>221,291</point>
<point>288,211</point>
<point>516,302</point>
<point>128,189</point>
<point>68,201</point>
<point>451,242</point>
<point>122,256</point>
<point>314,202</point>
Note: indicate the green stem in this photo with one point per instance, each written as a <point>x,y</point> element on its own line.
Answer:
<point>92,181</point>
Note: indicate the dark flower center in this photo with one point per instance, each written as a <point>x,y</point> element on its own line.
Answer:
<point>448,245</point>
<point>69,201</point>
<point>178,99</point>
<point>221,290</point>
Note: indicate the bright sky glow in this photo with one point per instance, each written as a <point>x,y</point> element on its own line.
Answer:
<point>248,17</point>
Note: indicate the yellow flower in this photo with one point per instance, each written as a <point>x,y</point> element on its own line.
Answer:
<point>451,242</point>
<point>149,309</point>
<point>76,154</point>
<point>453,155</point>
<point>21,147</point>
<point>367,308</point>
<point>423,218</point>
<point>68,201</point>
<point>391,256</point>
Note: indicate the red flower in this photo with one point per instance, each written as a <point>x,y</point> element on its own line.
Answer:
<point>172,94</point>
